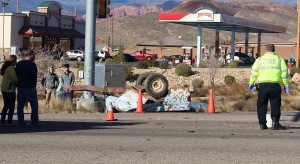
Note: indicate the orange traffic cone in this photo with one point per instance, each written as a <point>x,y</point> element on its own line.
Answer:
<point>139,108</point>
<point>110,114</point>
<point>211,103</point>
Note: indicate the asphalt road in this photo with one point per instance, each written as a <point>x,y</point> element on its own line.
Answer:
<point>179,137</point>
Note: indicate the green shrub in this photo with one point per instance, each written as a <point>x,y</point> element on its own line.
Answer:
<point>79,65</point>
<point>183,69</point>
<point>294,70</point>
<point>202,64</point>
<point>129,72</point>
<point>164,66</point>
<point>229,80</point>
<point>197,83</point>
<point>233,64</point>
<point>109,61</point>
<point>142,64</point>
<point>152,63</point>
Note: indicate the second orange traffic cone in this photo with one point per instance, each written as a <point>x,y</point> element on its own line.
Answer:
<point>211,102</point>
<point>110,114</point>
<point>139,108</point>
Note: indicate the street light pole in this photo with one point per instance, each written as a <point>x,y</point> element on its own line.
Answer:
<point>4,4</point>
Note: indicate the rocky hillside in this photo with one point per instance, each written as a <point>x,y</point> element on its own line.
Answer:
<point>130,30</point>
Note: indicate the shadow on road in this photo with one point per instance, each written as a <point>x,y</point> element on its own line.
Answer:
<point>55,126</point>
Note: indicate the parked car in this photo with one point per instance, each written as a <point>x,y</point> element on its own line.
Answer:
<point>129,58</point>
<point>169,59</point>
<point>241,57</point>
<point>75,54</point>
<point>143,55</point>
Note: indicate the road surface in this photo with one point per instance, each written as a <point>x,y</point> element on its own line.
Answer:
<point>178,137</point>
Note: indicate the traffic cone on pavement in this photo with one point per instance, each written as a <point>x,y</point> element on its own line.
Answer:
<point>110,114</point>
<point>139,108</point>
<point>211,102</point>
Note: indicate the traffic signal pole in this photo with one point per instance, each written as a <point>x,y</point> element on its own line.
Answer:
<point>90,33</point>
<point>298,37</point>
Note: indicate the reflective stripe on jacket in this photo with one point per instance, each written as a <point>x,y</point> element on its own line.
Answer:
<point>269,68</point>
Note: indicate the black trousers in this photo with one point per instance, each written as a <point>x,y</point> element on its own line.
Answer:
<point>9,99</point>
<point>272,92</point>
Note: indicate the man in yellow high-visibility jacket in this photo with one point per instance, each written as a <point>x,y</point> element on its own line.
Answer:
<point>269,71</point>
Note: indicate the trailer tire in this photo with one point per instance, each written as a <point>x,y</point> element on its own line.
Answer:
<point>156,85</point>
<point>142,78</point>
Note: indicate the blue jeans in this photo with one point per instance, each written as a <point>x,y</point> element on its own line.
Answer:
<point>69,96</point>
<point>9,99</point>
<point>29,94</point>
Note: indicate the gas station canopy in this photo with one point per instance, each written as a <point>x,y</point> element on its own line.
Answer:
<point>209,19</point>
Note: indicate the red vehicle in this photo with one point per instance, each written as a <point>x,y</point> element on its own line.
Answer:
<point>143,55</point>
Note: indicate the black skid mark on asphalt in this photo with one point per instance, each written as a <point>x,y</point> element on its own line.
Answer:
<point>191,131</point>
<point>232,134</point>
<point>148,139</point>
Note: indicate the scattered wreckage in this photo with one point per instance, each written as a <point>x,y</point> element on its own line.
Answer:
<point>157,96</point>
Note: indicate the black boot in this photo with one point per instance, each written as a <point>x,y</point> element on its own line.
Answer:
<point>263,126</point>
<point>276,125</point>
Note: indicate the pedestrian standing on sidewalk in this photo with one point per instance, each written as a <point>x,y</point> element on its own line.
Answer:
<point>269,71</point>
<point>27,79</point>
<point>67,79</point>
<point>8,88</point>
<point>50,83</point>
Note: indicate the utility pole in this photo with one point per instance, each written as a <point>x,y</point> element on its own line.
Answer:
<point>112,31</point>
<point>90,31</point>
<point>18,6</point>
<point>298,37</point>
<point>4,4</point>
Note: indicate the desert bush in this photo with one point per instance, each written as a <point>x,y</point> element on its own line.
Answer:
<point>233,64</point>
<point>129,72</point>
<point>164,66</point>
<point>142,64</point>
<point>203,64</point>
<point>229,80</point>
<point>197,83</point>
<point>294,70</point>
<point>109,61</point>
<point>238,105</point>
<point>152,63</point>
<point>183,69</point>
<point>78,65</point>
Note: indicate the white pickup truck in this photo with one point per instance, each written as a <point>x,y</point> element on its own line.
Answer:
<point>103,55</point>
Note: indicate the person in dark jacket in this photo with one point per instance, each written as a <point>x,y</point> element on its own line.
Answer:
<point>27,80</point>
<point>8,88</point>
<point>50,82</point>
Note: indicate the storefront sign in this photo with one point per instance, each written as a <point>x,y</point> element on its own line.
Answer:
<point>205,15</point>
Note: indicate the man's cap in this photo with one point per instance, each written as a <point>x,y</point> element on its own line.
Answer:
<point>29,52</point>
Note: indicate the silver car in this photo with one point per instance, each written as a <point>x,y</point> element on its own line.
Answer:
<point>75,54</point>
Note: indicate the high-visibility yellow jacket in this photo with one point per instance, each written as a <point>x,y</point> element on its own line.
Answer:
<point>269,68</point>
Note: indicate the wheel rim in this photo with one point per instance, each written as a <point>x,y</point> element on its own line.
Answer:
<point>157,85</point>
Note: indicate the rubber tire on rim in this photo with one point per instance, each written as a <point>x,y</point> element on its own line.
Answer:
<point>157,85</point>
<point>142,78</point>
<point>148,58</point>
<point>79,59</point>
